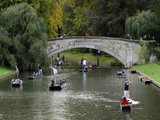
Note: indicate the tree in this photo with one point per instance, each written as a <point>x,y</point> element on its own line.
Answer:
<point>144,23</point>
<point>155,6</point>
<point>55,18</point>
<point>74,19</point>
<point>50,10</point>
<point>24,36</point>
<point>100,17</point>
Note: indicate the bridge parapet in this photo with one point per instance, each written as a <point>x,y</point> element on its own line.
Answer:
<point>94,37</point>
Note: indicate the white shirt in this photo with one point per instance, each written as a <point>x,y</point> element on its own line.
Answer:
<point>54,70</point>
<point>84,62</point>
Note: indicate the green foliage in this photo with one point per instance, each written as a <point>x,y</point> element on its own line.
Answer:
<point>55,15</point>
<point>145,53</point>
<point>155,6</point>
<point>5,71</point>
<point>144,23</point>
<point>99,17</point>
<point>156,52</point>
<point>50,10</point>
<point>151,70</point>
<point>23,37</point>
<point>74,19</point>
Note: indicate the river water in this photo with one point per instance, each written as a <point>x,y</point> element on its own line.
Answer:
<point>87,96</point>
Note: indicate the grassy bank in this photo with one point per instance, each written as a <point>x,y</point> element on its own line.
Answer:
<point>5,71</point>
<point>151,69</point>
<point>75,58</point>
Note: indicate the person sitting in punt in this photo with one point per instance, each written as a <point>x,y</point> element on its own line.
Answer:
<point>13,81</point>
<point>124,101</point>
<point>16,81</point>
<point>20,81</point>
<point>52,83</point>
<point>34,74</point>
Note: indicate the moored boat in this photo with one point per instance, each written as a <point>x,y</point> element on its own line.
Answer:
<point>144,79</point>
<point>133,71</point>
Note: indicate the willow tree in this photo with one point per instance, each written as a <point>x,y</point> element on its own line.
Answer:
<point>49,10</point>
<point>144,23</point>
<point>24,37</point>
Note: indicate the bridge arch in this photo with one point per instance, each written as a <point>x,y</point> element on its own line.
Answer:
<point>127,52</point>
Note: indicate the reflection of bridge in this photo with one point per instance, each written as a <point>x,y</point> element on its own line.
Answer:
<point>126,51</point>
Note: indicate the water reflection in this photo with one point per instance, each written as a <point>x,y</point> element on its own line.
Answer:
<point>17,89</point>
<point>84,80</point>
<point>93,95</point>
<point>127,116</point>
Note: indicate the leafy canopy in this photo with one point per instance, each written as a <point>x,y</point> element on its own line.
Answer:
<point>49,10</point>
<point>23,36</point>
<point>144,23</point>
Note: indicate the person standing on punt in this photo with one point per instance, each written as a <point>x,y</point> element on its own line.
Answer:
<point>126,89</point>
<point>54,70</point>
<point>17,72</point>
<point>40,70</point>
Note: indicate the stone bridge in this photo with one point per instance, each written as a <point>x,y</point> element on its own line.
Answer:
<point>126,51</point>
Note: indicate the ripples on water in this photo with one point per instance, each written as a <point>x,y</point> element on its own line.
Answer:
<point>91,96</point>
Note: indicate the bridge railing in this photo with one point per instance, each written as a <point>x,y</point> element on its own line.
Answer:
<point>101,37</point>
<point>86,37</point>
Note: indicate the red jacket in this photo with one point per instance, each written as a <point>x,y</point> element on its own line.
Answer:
<point>124,102</point>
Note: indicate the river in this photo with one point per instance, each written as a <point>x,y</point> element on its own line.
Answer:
<point>87,96</point>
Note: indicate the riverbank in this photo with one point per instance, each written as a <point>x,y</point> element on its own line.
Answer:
<point>151,70</point>
<point>75,58</point>
<point>5,72</point>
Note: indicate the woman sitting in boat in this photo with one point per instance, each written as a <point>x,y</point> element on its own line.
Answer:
<point>124,101</point>
<point>34,74</point>
<point>13,81</point>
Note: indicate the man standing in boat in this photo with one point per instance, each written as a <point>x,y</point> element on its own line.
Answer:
<point>40,70</point>
<point>54,70</point>
<point>17,72</point>
<point>126,89</point>
<point>84,64</point>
